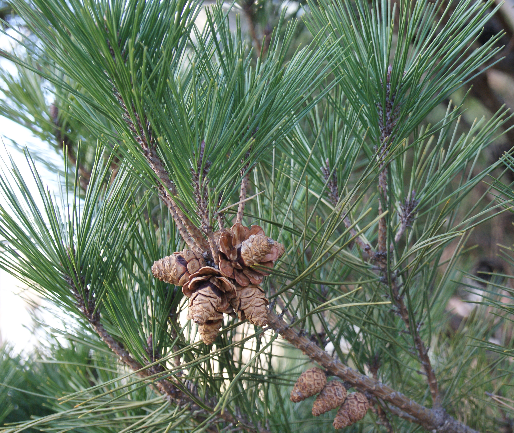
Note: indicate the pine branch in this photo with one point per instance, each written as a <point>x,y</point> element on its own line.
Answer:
<point>436,420</point>
<point>167,191</point>
<point>387,119</point>
<point>421,349</point>
<point>407,215</point>
<point>220,216</point>
<point>382,222</point>
<point>377,409</point>
<point>250,16</point>
<point>399,413</point>
<point>200,179</point>
<point>152,371</point>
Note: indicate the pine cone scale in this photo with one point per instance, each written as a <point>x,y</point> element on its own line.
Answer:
<point>209,331</point>
<point>226,268</point>
<point>177,268</point>
<point>250,304</point>
<point>209,295</point>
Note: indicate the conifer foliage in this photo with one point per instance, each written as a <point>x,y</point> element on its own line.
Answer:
<point>254,217</point>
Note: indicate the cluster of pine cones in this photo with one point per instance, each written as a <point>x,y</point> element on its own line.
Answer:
<point>333,394</point>
<point>232,287</point>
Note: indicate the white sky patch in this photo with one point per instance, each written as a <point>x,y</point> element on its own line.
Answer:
<point>15,319</point>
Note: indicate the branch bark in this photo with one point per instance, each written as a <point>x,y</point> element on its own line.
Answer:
<point>248,10</point>
<point>166,387</point>
<point>421,349</point>
<point>382,418</point>
<point>242,199</point>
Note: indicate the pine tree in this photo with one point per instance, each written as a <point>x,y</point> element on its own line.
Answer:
<point>240,230</point>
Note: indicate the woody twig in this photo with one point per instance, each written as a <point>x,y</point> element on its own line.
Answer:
<point>388,118</point>
<point>200,187</point>
<point>242,194</point>
<point>142,134</point>
<point>377,408</point>
<point>64,140</point>
<point>250,16</point>
<point>407,214</point>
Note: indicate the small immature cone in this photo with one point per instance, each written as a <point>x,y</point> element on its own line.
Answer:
<point>250,304</point>
<point>177,268</point>
<point>308,384</point>
<point>353,409</point>
<point>332,396</point>
<point>209,331</point>
<point>356,406</point>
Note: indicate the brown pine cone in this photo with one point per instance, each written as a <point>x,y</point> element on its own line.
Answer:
<point>177,268</point>
<point>250,304</point>
<point>332,396</point>
<point>209,294</point>
<point>341,420</point>
<point>356,405</point>
<point>308,384</point>
<point>242,247</point>
<point>210,330</point>
<point>353,409</point>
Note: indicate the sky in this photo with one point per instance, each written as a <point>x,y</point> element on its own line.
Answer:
<point>15,319</point>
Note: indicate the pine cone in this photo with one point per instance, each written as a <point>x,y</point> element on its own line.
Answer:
<point>242,247</point>
<point>177,268</point>
<point>210,330</point>
<point>209,294</point>
<point>332,396</point>
<point>353,409</point>
<point>356,405</point>
<point>308,384</point>
<point>250,304</point>
<point>341,420</point>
